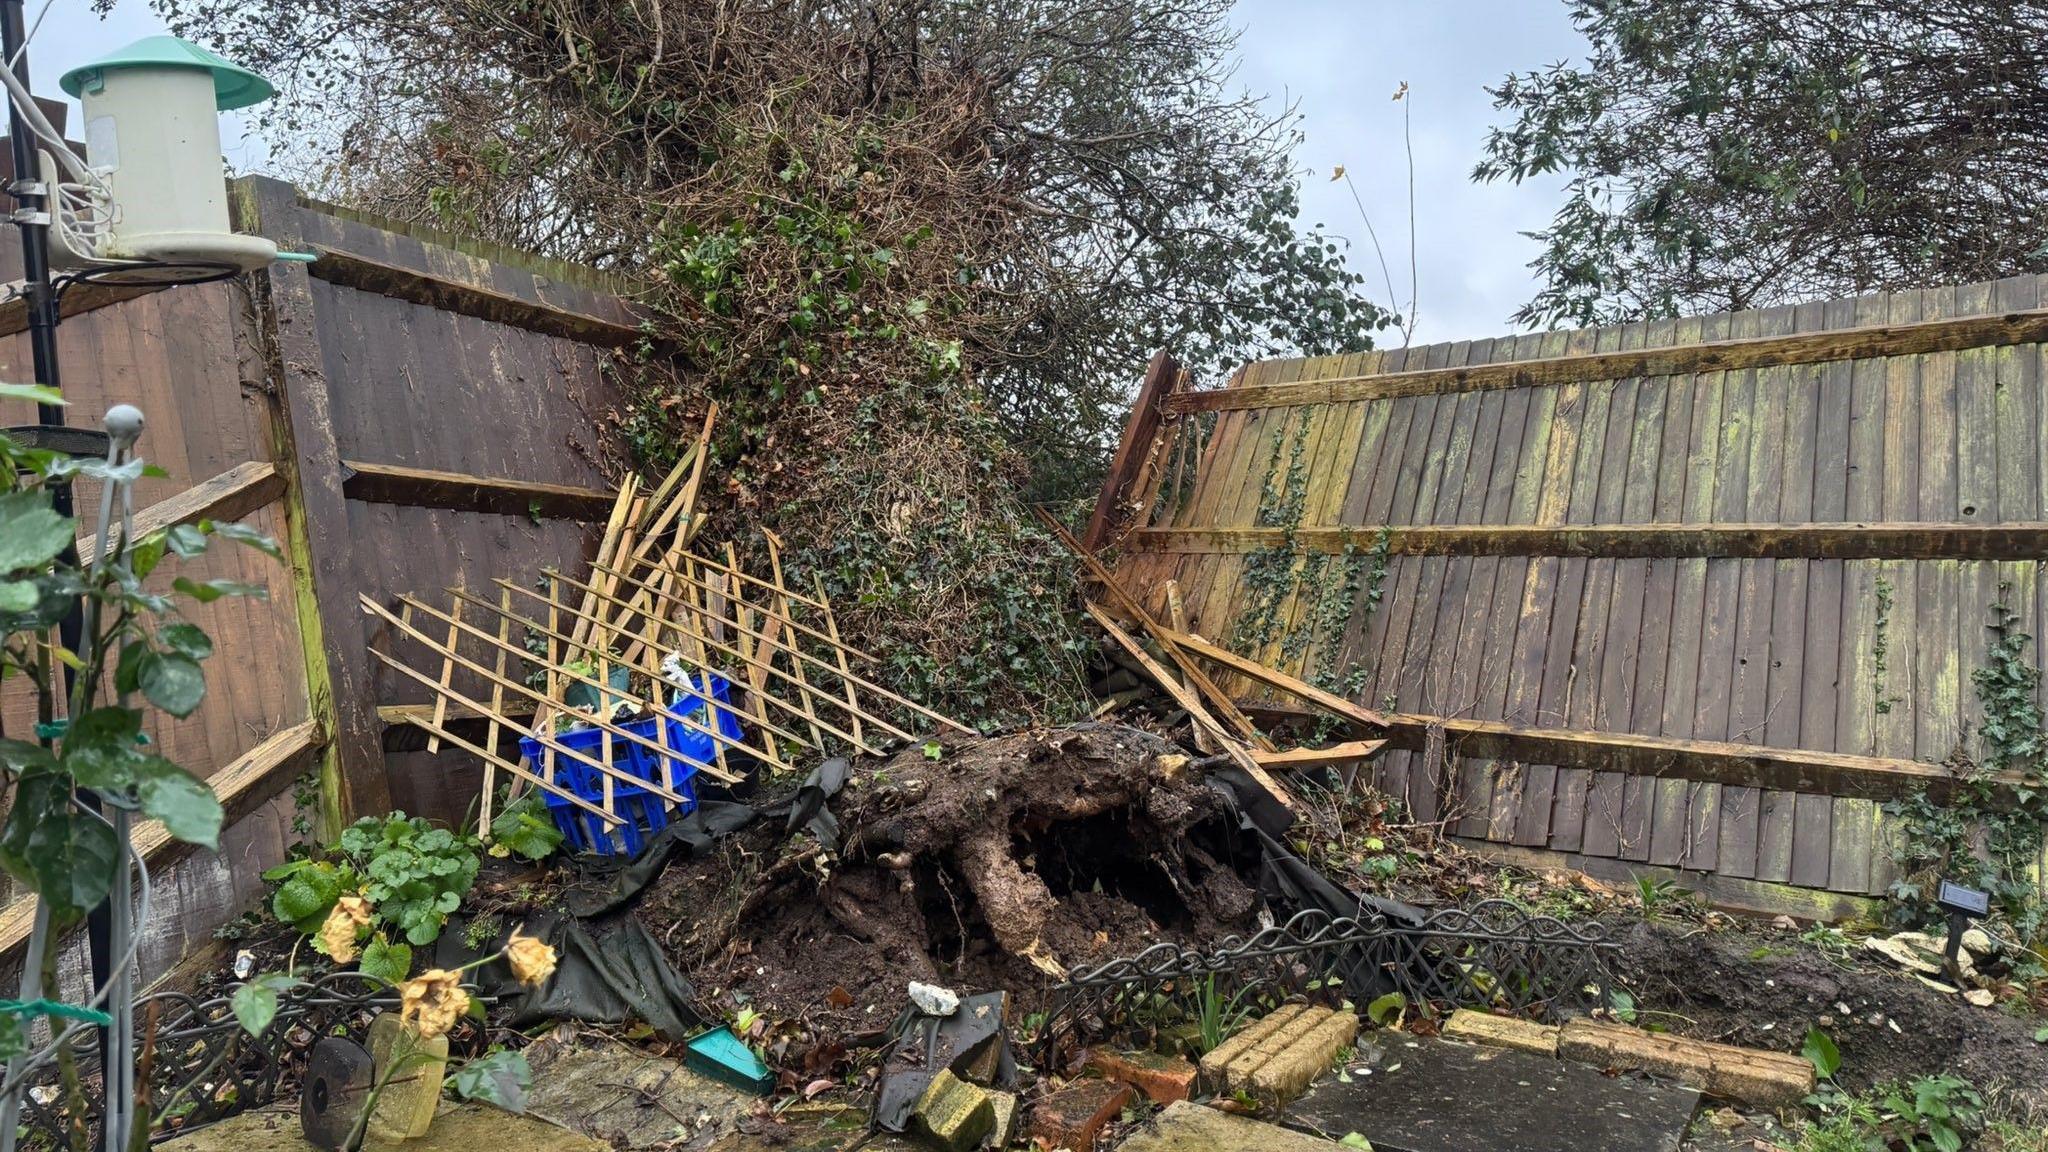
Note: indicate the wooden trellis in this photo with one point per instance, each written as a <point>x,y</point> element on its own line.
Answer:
<point>651,607</point>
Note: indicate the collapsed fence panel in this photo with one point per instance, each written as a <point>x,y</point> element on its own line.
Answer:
<point>1789,529</point>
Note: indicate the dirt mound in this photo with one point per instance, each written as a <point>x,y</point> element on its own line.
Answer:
<point>994,865</point>
<point>1765,990</point>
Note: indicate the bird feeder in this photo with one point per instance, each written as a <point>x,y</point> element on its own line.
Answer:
<point>152,127</point>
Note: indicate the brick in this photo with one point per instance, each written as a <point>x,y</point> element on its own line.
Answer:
<point>1239,1073</point>
<point>1075,1115</point>
<point>1501,1032</point>
<point>1744,1075</point>
<point>1160,1079</point>
<point>1292,1069</point>
<point>1217,1059</point>
<point>953,1114</point>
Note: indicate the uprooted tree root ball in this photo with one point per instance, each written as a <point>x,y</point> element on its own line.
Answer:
<point>996,865</point>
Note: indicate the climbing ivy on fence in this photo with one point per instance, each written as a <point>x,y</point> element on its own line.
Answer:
<point>1973,838</point>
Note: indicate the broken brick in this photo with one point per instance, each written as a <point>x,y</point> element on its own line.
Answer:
<point>1075,1115</point>
<point>953,1114</point>
<point>1160,1079</point>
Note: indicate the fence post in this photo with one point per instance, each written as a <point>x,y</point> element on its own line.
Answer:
<point>340,694</point>
<point>1143,429</point>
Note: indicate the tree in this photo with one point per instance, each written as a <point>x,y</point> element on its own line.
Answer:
<point>917,251</point>
<point>1729,154</point>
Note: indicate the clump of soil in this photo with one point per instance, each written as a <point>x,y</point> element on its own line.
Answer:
<point>996,865</point>
<point>1764,990</point>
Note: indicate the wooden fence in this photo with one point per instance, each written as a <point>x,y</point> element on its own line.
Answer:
<point>408,412</point>
<point>1699,595</point>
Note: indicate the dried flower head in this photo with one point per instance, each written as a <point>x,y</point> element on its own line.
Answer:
<point>532,960</point>
<point>432,1001</point>
<point>345,921</point>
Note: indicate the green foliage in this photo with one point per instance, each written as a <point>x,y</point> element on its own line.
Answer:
<point>1852,141</point>
<point>134,645</point>
<point>306,890</point>
<point>414,874</point>
<point>1217,1013</point>
<point>386,961</point>
<point>1820,1050</point>
<point>502,1078</point>
<point>254,1004</point>
<point>525,829</point>
<point>1880,649</point>
<point>1386,1011</point>
<point>1939,1113</point>
<point>1974,836</point>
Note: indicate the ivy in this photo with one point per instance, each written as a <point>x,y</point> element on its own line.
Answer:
<point>1973,837</point>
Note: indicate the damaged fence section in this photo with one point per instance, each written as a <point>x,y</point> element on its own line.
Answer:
<point>1494,955</point>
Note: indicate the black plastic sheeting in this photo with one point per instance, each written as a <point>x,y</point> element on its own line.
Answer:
<point>609,969</point>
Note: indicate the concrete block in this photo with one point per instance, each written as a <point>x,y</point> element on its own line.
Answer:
<point>1004,1106</point>
<point>1292,1069</point>
<point>1160,1079</point>
<point>1190,1127</point>
<point>1074,1116</point>
<point>1217,1059</point>
<point>1501,1032</point>
<point>953,1115</point>
<point>1239,1073</point>
<point>1744,1075</point>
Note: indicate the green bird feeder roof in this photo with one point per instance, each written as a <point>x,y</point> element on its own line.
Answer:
<point>233,85</point>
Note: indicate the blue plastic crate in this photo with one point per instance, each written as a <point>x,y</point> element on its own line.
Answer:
<point>643,813</point>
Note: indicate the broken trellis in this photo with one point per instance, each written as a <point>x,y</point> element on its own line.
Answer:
<point>653,614</point>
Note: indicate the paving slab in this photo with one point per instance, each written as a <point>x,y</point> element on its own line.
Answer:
<point>629,1099</point>
<point>1436,1096</point>
<point>1188,1127</point>
<point>456,1128</point>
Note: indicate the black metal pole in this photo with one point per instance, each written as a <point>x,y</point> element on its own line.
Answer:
<point>32,217</point>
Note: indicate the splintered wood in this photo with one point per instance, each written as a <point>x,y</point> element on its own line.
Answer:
<point>651,619</point>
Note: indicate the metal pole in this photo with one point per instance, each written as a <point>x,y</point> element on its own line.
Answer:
<point>32,217</point>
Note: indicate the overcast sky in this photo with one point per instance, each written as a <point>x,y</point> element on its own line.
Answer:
<point>1340,61</point>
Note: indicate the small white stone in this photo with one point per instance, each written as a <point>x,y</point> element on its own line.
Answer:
<point>1981,997</point>
<point>933,1000</point>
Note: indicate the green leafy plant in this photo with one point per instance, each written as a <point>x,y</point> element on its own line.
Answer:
<point>414,873</point>
<point>1656,894</point>
<point>1217,1015</point>
<point>1820,1051</point>
<point>91,701</point>
<point>1386,1011</point>
<point>525,829</point>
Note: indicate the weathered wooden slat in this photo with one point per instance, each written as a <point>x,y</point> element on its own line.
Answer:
<point>1840,344</point>
<point>231,495</point>
<point>252,780</point>
<point>1831,540</point>
<point>1112,506</point>
<point>76,300</point>
<point>1720,890</point>
<point>1349,752</point>
<point>352,270</point>
<point>427,488</point>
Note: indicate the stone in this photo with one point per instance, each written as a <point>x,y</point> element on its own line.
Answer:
<point>953,1115</point>
<point>1291,1070</point>
<point>629,1098</point>
<point>1978,942</point>
<point>1160,1079</point>
<point>1075,1115</point>
<point>1004,1106</point>
<point>1189,1127</point>
<point>410,1069</point>
<point>1429,1095</point>
<point>1981,997</point>
<point>1724,1071</point>
<point>1501,1032</point>
<point>933,1000</point>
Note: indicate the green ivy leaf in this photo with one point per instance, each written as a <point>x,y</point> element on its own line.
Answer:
<point>187,806</point>
<point>1821,1052</point>
<point>386,961</point>
<point>213,590</point>
<point>173,682</point>
<point>31,532</point>
<point>255,1003</point>
<point>500,1078</point>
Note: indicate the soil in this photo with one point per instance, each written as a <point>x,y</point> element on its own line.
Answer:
<point>1764,989</point>
<point>995,866</point>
